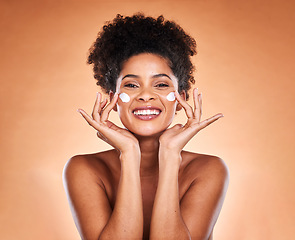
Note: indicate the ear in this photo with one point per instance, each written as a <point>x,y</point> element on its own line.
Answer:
<point>111,94</point>
<point>183,96</point>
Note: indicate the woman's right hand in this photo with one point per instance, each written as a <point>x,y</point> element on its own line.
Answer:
<point>119,138</point>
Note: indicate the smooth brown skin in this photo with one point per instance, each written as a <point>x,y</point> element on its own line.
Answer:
<point>147,187</point>
<point>96,176</point>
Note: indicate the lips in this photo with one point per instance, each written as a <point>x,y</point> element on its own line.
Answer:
<point>146,113</point>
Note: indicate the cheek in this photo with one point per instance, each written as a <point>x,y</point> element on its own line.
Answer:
<point>123,103</point>
<point>170,97</point>
<point>169,101</point>
<point>124,97</point>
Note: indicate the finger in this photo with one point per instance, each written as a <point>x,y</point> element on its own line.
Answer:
<point>210,120</point>
<point>197,106</point>
<point>96,108</point>
<point>105,113</point>
<point>200,98</point>
<point>187,108</point>
<point>112,125</point>
<point>177,126</point>
<point>103,104</point>
<point>90,121</point>
<point>101,136</point>
<point>102,131</point>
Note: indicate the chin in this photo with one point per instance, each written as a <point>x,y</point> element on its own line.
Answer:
<point>147,128</point>
<point>147,131</point>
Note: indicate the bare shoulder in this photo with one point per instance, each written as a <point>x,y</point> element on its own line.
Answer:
<point>206,178</point>
<point>203,166</point>
<point>86,180</point>
<point>94,166</point>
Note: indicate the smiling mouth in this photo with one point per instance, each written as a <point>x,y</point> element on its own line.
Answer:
<point>146,112</point>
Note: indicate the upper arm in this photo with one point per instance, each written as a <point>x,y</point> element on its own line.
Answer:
<point>201,204</point>
<point>87,198</point>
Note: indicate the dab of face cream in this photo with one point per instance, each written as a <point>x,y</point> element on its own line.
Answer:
<point>124,97</point>
<point>171,97</point>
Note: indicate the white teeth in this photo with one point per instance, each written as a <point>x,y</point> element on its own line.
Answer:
<point>147,112</point>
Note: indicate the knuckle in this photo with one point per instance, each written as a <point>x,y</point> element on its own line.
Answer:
<point>98,134</point>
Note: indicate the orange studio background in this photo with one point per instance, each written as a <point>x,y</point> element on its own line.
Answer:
<point>245,69</point>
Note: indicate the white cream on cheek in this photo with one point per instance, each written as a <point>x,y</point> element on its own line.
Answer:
<point>124,97</point>
<point>170,97</point>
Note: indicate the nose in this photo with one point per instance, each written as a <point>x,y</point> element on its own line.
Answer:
<point>146,95</point>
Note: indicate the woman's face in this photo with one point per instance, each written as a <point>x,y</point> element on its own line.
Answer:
<point>146,86</point>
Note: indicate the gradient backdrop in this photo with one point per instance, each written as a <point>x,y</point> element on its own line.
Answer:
<point>245,69</point>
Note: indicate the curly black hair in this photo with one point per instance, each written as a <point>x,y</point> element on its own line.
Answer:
<point>125,37</point>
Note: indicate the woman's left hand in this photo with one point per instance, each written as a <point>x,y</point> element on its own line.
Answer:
<point>175,138</point>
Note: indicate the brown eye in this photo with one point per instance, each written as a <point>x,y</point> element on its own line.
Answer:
<point>130,85</point>
<point>162,85</point>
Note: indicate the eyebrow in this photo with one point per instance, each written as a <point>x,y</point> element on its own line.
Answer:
<point>161,75</point>
<point>130,76</point>
<point>154,76</point>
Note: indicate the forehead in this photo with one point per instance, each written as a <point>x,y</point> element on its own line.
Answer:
<point>146,61</point>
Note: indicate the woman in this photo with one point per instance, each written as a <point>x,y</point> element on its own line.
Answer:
<point>147,187</point>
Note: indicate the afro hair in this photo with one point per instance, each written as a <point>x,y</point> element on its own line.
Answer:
<point>125,37</point>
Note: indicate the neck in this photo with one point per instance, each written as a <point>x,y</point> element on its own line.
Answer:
<point>149,147</point>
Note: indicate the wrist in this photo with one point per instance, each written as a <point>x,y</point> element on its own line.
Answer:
<point>168,159</point>
<point>130,158</point>
<point>169,147</point>
<point>130,148</point>
<point>167,152</point>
